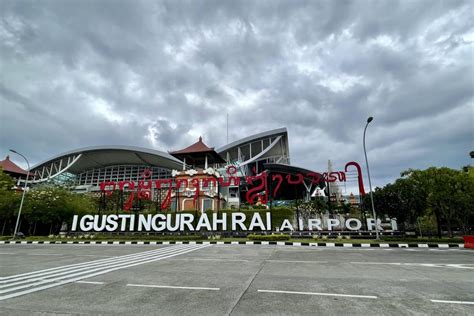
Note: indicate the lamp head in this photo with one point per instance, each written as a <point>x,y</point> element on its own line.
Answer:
<point>370,119</point>
<point>13,151</point>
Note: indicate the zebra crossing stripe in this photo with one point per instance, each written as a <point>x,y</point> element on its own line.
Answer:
<point>88,269</point>
<point>34,284</point>
<point>41,281</point>
<point>86,265</point>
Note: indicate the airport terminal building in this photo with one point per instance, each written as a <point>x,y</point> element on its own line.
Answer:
<point>196,177</point>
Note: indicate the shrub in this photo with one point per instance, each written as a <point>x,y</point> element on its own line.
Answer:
<point>278,237</point>
<point>149,237</point>
<point>281,213</point>
<point>259,207</point>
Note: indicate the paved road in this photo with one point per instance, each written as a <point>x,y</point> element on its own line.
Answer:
<point>234,279</point>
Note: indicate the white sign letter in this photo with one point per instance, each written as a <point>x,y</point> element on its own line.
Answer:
<point>358,224</point>
<point>333,222</point>
<point>393,221</point>
<point>238,219</point>
<point>286,225</point>
<point>222,221</point>
<point>187,219</point>
<point>256,221</point>
<point>74,222</point>
<point>144,222</point>
<point>162,223</point>
<point>314,223</point>
<point>371,224</point>
<point>269,221</point>
<point>111,223</point>
<point>123,224</point>
<point>203,221</point>
<point>169,222</point>
<point>86,226</point>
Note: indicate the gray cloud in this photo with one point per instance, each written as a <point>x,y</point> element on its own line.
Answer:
<point>161,74</point>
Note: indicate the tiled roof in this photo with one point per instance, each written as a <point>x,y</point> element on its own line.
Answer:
<point>197,147</point>
<point>9,166</point>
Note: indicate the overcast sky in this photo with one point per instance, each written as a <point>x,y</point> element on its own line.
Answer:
<point>159,74</point>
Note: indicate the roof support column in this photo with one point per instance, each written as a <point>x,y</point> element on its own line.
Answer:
<point>205,163</point>
<point>184,163</point>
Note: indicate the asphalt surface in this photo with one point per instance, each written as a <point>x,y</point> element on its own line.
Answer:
<point>234,280</point>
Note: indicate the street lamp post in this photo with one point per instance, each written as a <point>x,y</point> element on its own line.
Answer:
<point>370,183</point>
<point>24,191</point>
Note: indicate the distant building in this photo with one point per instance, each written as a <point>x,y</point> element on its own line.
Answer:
<point>354,199</point>
<point>12,169</point>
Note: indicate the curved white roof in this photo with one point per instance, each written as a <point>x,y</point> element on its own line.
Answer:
<point>101,156</point>
<point>252,138</point>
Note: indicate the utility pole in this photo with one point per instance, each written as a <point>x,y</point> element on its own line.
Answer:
<point>370,183</point>
<point>24,192</point>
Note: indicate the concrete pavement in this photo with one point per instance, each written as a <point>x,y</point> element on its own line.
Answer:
<point>234,279</point>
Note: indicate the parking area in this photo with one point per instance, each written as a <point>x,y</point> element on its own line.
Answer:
<point>234,279</point>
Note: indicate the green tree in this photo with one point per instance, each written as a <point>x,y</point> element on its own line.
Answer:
<point>411,200</point>
<point>54,205</point>
<point>386,201</point>
<point>449,194</point>
<point>9,200</point>
<point>444,193</point>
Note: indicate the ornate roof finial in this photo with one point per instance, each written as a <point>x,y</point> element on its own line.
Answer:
<point>200,138</point>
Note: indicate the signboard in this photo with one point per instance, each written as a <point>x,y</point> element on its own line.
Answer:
<point>223,222</point>
<point>259,190</point>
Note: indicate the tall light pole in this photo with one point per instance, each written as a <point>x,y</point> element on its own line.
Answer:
<point>24,191</point>
<point>370,183</point>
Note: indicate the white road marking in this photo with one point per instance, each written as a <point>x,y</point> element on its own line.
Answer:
<point>317,294</point>
<point>74,266</point>
<point>86,269</point>
<point>104,256</point>
<point>461,265</point>
<point>430,265</point>
<point>45,254</point>
<point>175,287</point>
<point>81,266</point>
<point>296,261</point>
<point>31,282</point>
<point>51,254</point>
<point>453,302</point>
<point>90,282</point>
<point>212,259</point>
<point>300,249</point>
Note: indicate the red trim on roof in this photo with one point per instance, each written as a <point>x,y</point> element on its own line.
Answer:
<point>197,147</point>
<point>9,166</point>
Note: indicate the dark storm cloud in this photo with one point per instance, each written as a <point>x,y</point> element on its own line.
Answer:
<point>161,74</point>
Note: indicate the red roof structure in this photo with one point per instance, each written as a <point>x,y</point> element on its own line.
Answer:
<point>197,147</point>
<point>10,167</point>
<point>198,154</point>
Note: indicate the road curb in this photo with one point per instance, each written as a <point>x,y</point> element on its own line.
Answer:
<point>278,243</point>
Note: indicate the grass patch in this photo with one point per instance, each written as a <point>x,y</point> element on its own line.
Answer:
<point>279,237</point>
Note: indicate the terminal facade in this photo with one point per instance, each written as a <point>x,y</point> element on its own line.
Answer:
<point>256,170</point>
